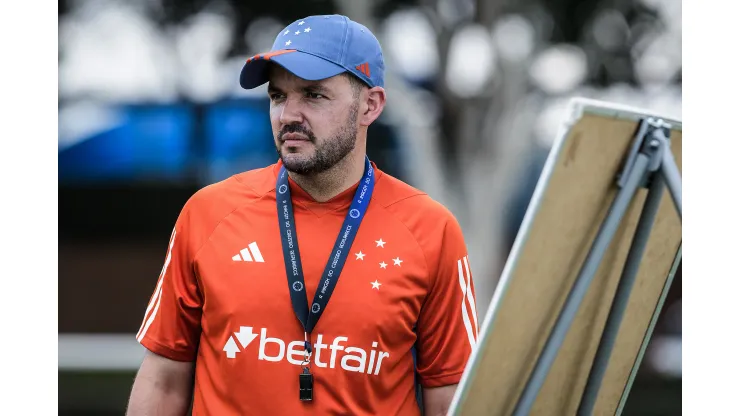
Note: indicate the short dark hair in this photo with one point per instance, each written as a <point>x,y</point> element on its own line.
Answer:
<point>356,83</point>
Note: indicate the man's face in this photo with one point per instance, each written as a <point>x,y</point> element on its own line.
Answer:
<point>314,123</point>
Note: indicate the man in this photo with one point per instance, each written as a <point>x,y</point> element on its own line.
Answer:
<point>318,285</point>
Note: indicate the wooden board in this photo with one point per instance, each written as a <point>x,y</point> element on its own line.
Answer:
<point>568,206</point>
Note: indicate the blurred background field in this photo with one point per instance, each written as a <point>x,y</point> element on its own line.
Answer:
<point>150,110</point>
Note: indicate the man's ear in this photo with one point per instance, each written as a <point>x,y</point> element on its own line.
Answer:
<point>374,104</point>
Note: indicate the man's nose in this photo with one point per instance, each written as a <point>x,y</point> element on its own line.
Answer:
<point>291,112</point>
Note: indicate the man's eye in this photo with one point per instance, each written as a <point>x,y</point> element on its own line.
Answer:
<point>276,96</point>
<point>314,95</point>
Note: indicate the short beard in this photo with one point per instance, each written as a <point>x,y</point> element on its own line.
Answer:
<point>330,152</point>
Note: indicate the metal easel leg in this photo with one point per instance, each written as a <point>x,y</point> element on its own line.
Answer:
<point>634,179</point>
<point>672,176</point>
<point>622,296</point>
<point>663,171</point>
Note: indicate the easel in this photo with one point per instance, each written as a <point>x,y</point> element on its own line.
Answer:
<point>651,165</point>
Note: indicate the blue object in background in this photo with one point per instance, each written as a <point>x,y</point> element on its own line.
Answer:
<point>238,138</point>
<point>173,143</point>
<point>148,143</point>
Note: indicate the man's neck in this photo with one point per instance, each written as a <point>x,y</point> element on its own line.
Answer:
<point>330,183</point>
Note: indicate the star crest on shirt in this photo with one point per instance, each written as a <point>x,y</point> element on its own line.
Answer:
<point>360,256</point>
<point>397,262</point>
<point>380,243</point>
<point>376,284</point>
<point>383,265</point>
<point>301,22</point>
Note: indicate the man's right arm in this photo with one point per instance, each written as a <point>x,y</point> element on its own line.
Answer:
<point>170,330</point>
<point>162,387</point>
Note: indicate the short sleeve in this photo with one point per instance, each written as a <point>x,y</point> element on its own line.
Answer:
<point>448,323</point>
<point>171,325</point>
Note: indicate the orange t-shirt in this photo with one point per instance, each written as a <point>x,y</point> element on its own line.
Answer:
<point>402,312</point>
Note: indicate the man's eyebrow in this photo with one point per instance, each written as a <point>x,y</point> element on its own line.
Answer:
<point>316,88</point>
<point>313,88</point>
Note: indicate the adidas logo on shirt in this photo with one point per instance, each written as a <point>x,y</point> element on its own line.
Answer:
<point>251,253</point>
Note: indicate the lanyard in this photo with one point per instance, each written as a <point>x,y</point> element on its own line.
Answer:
<point>333,269</point>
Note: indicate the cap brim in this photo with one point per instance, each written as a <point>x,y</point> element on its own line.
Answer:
<point>301,64</point>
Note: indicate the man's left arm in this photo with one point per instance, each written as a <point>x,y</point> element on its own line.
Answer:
<point>448,323</point>
<point>437,399</point>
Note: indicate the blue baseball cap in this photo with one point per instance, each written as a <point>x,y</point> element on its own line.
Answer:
<point>320,47</point>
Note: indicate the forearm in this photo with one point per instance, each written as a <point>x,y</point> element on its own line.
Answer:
<point>150,398</point>
<point>162,388</point>
<point>437,400</point>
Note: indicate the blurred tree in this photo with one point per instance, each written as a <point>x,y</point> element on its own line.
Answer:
<point>244,13</point>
